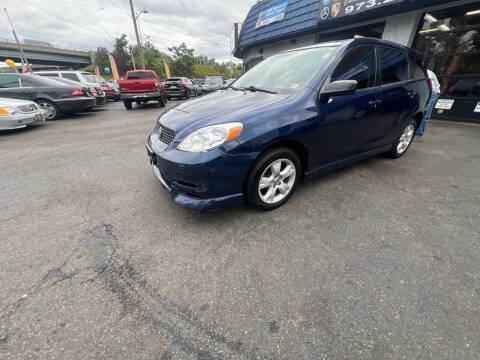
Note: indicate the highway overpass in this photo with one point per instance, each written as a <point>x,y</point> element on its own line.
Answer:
<point>45,55</point>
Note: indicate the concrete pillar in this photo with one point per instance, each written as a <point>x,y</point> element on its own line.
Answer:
<point>402,28</point>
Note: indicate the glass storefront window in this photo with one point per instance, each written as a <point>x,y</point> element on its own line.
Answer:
<point>450,42</point>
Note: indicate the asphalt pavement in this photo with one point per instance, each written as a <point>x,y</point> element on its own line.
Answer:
<point>376,261</point>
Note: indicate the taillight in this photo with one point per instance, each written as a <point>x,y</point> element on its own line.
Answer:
<point>76,92</point>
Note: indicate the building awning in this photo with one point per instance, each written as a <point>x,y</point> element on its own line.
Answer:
<point>274,20</point>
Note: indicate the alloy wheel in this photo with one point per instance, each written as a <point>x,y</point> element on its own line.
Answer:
<point>51,112</point>
<point>277,181</point>
<point>405,139</point>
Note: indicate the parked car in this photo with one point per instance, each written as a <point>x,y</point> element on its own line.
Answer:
<point>212,84</point>
<point>112,93</point>
<point>198,83</point>
<point>180,87</point>
<point>141,86</point>
<point>81,77</point>
<point>17,114</point>
<point>228,82</point>
<point>115,88</point>
<point>52,96</point>
<point>297,114</point>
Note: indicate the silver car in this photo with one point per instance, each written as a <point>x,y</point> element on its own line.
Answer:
<point>17,114</point>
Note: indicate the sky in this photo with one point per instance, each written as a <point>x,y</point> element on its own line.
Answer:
<point>205,25</point>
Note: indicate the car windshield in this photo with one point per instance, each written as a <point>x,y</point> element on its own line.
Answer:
<point>290,71</point>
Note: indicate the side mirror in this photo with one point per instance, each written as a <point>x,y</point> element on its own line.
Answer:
<point>338,88</point>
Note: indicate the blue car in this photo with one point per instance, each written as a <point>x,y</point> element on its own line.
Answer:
<point>296,115</point>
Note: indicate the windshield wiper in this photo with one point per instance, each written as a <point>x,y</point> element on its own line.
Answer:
<point>254,89</point>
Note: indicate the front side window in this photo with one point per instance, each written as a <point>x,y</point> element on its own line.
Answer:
<point>358,64</point>
<point>394,66</point>
<point>290,71</point>
<point>71,76</point>
<point>27,83</point>
<point>9,81</point>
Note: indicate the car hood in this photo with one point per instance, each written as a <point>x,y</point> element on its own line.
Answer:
<point>220,107</point>
<point>13,102</point>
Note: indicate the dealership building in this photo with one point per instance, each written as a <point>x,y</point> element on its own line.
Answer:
<point>447,33</point>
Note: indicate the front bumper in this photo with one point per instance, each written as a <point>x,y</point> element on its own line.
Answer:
<point>18,121</point>
<point>204,181</point>
<point>75,104</point>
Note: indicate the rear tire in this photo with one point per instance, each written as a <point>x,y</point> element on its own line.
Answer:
<point>161,101</point>
<point>273,179</point>
<point>127,104</point>
<point>404,141</point>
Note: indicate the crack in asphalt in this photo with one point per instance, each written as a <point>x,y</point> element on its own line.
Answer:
<point>174,322</point>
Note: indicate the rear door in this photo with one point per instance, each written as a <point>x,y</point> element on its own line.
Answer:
<point>400,97</point>
<point>28,89</point>
<point>347,122</point>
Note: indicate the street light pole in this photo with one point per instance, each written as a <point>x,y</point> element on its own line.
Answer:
<point>23,58</point>
<point>137,33</point>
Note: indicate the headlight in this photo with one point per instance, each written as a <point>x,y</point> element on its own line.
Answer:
<point>210,137</point>
<point>8,110</point>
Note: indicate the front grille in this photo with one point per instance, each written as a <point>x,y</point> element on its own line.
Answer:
<point>27,108</point>
<point>166,135</point>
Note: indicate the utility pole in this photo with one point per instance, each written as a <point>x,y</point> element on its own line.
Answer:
<point>23,58</point>
<point>137,33</point>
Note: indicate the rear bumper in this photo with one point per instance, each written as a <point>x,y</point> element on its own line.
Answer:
<point>74,105</point>
<point>204,181</point>
<point>18,121</point>
<point>177,93</point>
<point>141,96</point>
<point>100,100</point>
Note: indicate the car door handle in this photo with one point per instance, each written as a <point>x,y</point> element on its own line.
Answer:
<point>412,94</point>
<point>375,104</point>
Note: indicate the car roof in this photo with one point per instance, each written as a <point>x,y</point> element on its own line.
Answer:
<point>356,41</point>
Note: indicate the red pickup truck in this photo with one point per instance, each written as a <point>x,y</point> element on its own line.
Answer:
<point>142,86</point>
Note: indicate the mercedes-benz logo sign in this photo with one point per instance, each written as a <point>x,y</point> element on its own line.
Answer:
<point>324,13</point>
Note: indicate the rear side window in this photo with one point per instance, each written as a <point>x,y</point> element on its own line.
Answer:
<point>71,76</point>
<point>394,66</point>
<point>417,71</point>
<point>9,81</point>
<point>358,64</point>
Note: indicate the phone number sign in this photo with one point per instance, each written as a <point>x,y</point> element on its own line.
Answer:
<point>333,9</point>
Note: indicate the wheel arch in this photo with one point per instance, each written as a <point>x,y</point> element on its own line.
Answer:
<point>418,117</point>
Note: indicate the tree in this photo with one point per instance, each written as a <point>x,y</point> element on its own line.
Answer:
<point>183,60</point>
<point>154,59</point>
<point>101,59</point>
<point>121,55</point>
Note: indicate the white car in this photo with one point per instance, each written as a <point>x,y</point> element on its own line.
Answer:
<point>16,114</point>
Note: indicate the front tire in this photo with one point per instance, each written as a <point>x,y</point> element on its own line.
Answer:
<point>51,109</point>
<point>127,104</point>
<point>273,179</point>
<point>404,141</point>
